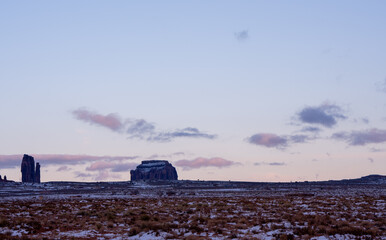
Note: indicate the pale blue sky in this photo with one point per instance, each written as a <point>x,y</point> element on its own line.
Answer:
<point>230,69</point>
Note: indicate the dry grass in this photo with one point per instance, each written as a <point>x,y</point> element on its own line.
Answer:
<point>174,217</point>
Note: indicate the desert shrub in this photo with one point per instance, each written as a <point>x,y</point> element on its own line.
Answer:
<point>304,231</point>
<point>167,227</point>
<point>135,192</point>
<point>98,226</point>
<point>233,235</point>
<point>83,213</point>
<point>170,193</point>
<point>193,237</point>
<point>322,229</point>
<point>200,219</point>
<point>172,235</point>
<point>35,225</point>
<point>243,220</point>
<point>145,217</point>
<point>4,223</point>
<point>277,226</point>
<point>286,237</point>
<point>357,231</point>
<point>151,225</point>
<point>133,231</point>
<point>196,229</point>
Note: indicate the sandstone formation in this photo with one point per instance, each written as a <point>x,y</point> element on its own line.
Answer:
<point>154,170</point>
<point>28,172</point>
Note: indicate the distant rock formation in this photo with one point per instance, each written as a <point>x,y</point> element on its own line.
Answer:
<point>37,173</point>
<point>4,179</point>
<point>154,170</point>
<point>28,173</point>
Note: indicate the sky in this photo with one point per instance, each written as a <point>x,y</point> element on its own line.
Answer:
<point>224,90</point>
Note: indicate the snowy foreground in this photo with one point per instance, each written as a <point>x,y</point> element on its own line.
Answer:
<point>192,210</point>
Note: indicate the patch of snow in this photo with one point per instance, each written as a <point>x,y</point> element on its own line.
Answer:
<point>255,228</point>
<point>320,238</point>
<point>83,233</point>
<point>148,236</point>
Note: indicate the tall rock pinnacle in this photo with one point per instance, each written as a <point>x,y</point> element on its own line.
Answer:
<point>28,173</point>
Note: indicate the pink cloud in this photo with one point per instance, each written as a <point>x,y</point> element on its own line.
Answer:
<point>204,162</point>
<point>111,121</point>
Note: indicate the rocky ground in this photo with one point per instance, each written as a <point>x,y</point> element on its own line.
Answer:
<point>193,210</point>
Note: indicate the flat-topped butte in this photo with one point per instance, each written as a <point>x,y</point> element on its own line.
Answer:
<point>154,170</point>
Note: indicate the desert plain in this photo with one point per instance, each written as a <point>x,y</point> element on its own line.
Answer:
<point>192,210</point>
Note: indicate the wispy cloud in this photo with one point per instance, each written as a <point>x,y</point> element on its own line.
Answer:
<point>111,121</point>
<point>326,115</point>
<point>381,86</point>
<point>360,138</point>
<point>373,149</point>
<point>204,162</point>
<point>183,133</point>
<point>268,140</point>
<point>242,35</point>
<point>10,161</point>
<point>114,167</point>
<point>99,166</point>
<point>104,175</point>
<point>311,129</point>
<point>57,159</point>
<point>105,170</point>
<point>299,138</point>
<point>82,175</point>
<point>365,120</point>
<point>124,167</point>
<point>138,128</point>
<point>171,155</point>
<point>269,163</point>
<point>63,168</point>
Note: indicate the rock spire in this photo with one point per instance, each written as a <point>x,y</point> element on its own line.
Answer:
<point>28,172</point>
